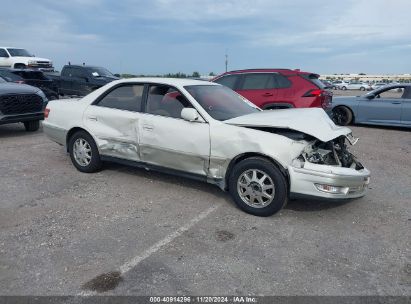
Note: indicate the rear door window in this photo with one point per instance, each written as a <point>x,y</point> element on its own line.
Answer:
<point>127,97</point>
<point>258,81</point>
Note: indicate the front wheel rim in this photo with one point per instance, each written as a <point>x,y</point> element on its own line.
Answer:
<point>256,188</point>
<point>340,116</point>
<point>82,152</point>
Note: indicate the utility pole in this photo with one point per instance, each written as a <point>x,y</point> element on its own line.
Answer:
<point>226,61</point>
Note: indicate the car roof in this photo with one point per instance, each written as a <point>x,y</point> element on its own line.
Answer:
<point>265,70</point>
<point>167,81</point>
<point>83,66</point>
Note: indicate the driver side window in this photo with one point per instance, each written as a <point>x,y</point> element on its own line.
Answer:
<point>166,101</point>
<point>392,93</point>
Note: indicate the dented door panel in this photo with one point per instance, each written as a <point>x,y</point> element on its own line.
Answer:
<point>115,131</point>
<point>175,143</point>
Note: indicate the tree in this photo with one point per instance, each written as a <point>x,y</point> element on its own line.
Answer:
<point>211,74</point>
<point>196,74</point>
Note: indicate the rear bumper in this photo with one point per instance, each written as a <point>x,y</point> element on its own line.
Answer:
<point>55,133</point>
<point>353,183</point>
<point>6,119</point>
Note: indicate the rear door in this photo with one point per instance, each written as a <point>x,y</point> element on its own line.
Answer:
<point>385,108</point>
<point>169,141</point>
<point>114,121</point>
<point>259,88</point>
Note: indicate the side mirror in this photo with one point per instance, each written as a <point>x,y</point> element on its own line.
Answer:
<point>370,96</point>
<point>190,114</point>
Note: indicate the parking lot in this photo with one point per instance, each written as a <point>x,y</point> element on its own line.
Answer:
<point>150,233</point>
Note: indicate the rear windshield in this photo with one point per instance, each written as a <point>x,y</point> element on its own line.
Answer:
<point>313,78</point>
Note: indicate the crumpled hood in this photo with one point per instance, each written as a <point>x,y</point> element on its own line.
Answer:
<point>311,121</point>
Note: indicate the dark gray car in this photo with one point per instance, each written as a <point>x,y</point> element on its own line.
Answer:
<point>389,105</point>
<point>21,103</point>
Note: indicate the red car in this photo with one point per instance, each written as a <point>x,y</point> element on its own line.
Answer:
<point>278,88</point>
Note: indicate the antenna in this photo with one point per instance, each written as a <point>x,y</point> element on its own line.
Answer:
<point>226,60</point>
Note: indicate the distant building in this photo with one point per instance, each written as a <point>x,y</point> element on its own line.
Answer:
<point>369,77</point>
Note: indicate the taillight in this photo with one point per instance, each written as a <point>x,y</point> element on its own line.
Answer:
<point>46,112</point>
<point>325,96</point>
<point>314,93</point>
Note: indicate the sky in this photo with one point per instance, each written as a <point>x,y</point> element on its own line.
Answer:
<point>170,36</point>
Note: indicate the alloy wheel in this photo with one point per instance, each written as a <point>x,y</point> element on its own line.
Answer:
<point>256,188</point>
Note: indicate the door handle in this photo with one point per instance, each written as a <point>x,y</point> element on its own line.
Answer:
<point>396,102</point>
<point>92,118</point>
<point>148,127</point>
<point>268,94</point>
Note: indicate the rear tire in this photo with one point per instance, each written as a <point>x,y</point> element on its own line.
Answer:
<point>362,89</point>
<point>32,126</point>
<point>258,187</point>
<point>342,116</point>
<point>84,152</point>
<point>343,88</point>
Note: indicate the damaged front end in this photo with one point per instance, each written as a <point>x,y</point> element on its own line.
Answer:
<point>332,153</point>
<point>329,169</point>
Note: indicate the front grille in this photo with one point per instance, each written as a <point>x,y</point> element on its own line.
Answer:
<point>20,104</point>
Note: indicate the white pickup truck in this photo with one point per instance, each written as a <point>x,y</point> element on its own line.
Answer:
<point>20,59</point>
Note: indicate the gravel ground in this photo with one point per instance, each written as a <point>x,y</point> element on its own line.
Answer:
<point>126,231</point>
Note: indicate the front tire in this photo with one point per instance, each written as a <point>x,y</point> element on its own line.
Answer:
<point>32,126</point>
<point>344,88</point>
<point>19,66</point>
<point>258,187</point>
<point>342,116</point>
<point>84,153</point>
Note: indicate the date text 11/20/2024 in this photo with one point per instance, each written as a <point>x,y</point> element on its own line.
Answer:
<point>204,299</point>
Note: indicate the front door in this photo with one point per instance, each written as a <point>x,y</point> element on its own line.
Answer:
<point>406,107</point>
<point>114,121</point>
<point>169,141</point>
<point>384,108</point>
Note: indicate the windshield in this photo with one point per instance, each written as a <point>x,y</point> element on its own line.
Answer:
<point>100,72</point>
<point>220,102</point>
<point>19,53</point>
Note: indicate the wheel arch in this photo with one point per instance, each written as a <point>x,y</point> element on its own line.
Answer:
<point>72,131</point>
<point>277,105</point>
<point>247,155</point>
<point>349,108</point>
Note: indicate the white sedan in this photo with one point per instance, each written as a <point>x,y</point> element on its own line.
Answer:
<point>206,131</point>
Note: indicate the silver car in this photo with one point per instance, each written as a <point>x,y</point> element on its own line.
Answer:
<point>208,132</point>
<point>388,105</point>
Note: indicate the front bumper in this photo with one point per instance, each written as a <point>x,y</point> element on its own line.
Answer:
<point>305,181</point>
<point>6,119</point>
